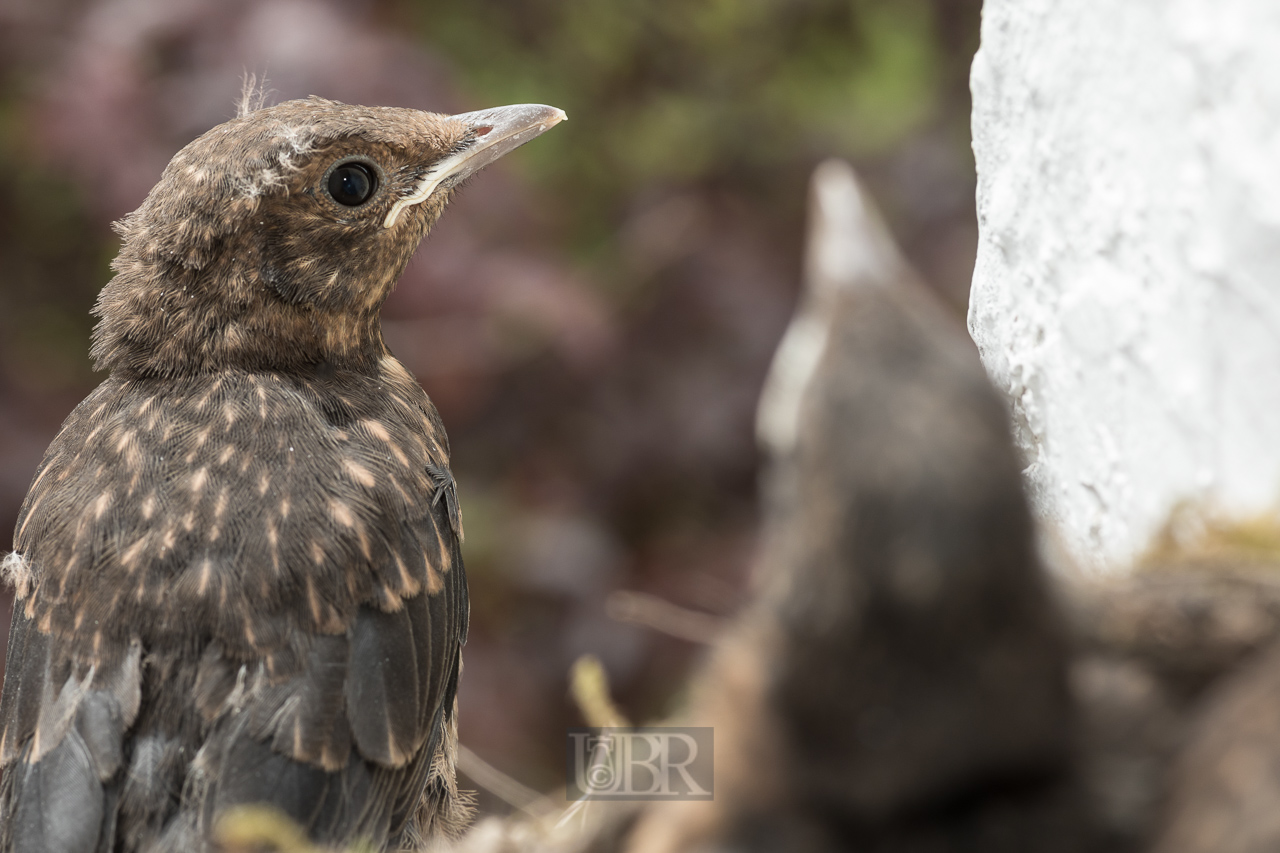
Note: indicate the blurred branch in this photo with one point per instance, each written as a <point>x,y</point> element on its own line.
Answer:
<point>650,611</point>
<point>509,790</point>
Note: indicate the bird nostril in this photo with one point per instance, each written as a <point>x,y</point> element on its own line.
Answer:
<point>482,131</point>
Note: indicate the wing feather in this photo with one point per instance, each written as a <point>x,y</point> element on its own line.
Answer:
<point>303,717</point>
<point>64,748</point>
<point>383,695</point>
<point>55,805</point>
<point>24,684</point>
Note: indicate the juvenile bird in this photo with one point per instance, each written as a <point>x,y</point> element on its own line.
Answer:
<point>237,573</point>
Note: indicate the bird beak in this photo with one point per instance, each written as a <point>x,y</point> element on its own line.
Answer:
<point>493,132</point>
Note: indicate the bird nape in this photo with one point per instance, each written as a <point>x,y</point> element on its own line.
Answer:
<point>235,582</point>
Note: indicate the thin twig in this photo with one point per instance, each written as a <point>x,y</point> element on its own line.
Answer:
<point>502,786</point>
<point>641,608</point>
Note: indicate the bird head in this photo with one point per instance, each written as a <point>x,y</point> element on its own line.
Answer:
<point>272,241</point>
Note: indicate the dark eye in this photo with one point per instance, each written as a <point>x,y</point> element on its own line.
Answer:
<point>352,184</point>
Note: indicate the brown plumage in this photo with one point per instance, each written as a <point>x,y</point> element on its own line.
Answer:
<point>237,572</point>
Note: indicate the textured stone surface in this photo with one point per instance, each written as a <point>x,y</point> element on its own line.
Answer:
<point>1127,291</point>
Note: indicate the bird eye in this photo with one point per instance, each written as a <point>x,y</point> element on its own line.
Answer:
<point>352,184</point>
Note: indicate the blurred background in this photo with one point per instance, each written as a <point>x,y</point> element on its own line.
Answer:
<point>593,316</point>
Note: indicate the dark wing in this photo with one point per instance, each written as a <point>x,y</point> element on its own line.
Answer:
<point>62,742</point>
<point>345,744</point>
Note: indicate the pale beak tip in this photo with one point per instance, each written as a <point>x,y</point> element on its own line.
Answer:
<point>550,118</point>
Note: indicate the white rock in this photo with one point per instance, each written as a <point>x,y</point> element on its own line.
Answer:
<point>1127,289</point>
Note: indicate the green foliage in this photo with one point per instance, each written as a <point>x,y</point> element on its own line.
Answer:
<point>678,91</point>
